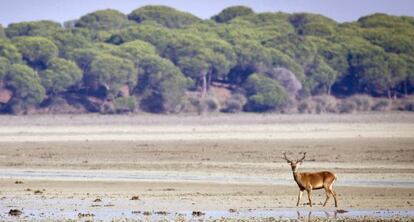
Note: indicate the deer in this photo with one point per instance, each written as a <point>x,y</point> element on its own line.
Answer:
<point>312,181</point>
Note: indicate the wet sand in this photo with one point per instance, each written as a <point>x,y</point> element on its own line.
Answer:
<point>221,166</point>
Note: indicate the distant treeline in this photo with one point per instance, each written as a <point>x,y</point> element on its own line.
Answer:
<point>158,59</point>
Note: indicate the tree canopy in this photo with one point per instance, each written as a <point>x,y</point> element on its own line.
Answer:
<point>231,13</point>
<point>162,60</point>
<point>166,16</point>
<point>102,20</point>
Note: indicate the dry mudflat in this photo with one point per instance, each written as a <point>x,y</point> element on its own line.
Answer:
<point>146,167</point>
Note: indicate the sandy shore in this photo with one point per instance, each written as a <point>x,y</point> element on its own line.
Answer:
<point>177,165</point>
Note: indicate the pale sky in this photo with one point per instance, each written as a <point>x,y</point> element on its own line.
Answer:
<point>62,10</point>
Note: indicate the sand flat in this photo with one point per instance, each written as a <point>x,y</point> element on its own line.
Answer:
<point>210,164</point>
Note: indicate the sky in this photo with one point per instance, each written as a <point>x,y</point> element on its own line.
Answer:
<point>12,11</point>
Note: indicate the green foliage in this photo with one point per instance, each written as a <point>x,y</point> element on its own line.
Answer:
<point>60,75</point>
<point>374,71</point>
<point>384,20</point>
<point>125,104</point>
<point>205,28</point>
<point>2,33</point>
<point>392,39</point>
<point>222,59</point>
<point>367,63</point>
<point>9,51</point>
<point>396,72</point>
<point>199,58</point>
<point>279,59</point>
<point>264,93</point>
<point>251,55</point>
<point>150,32</point>
<point>320,77</point>
<point>195,67</point>
<point>84,57</point>
<point>25,84</point>
<point>69,40</point>
<point>409,61</point>
<point>4,67</point>
<point>268,25</point>
<point>237,31</point>
<point>311,24</point>
<point>103,20</point>
<point>302,49</point>
<point>162,85</point>
<point>232,12</point>
<point>110,72</point>
<point>37,51</point>
<point>135,50</point>
<point>39,28</point>
<point>334,54</point>
<point>166,16</point>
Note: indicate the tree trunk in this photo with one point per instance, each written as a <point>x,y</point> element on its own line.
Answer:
<point>204,89</point>
<point>329,90</point>
<point>209,81</point>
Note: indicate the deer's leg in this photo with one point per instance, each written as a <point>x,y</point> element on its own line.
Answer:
<point>327,192</point>
<point>333,193</point>
<point>334,196</point>
<point>299,197</point>
<point>309,196</point>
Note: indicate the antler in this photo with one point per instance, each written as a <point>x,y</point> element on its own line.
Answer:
<point>301,159</point>
<point>285,157</point>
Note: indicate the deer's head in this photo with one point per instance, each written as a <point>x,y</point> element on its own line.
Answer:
<point>294,164</point>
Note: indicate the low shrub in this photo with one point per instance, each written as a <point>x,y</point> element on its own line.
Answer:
<point>125,104</point>
<point>325,104</point>
<point>346,106</point>
<point>404,104</point>
<point>381,105</point>
<point>234,104</point>
<point>363,103</point>
<point>306,106</point>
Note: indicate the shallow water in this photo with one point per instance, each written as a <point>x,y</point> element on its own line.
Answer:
<point>122,214</point>
<point>176,176</point>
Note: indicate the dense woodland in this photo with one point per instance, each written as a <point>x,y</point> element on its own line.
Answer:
<point>161,60</point>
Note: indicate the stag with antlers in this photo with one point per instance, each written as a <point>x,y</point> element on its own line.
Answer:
<point>312,181</point>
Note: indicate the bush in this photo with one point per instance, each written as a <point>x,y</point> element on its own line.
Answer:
<point>234,104</point>
<point>346,106</point>
<point>318,104</point>
<point>107,108</point>
<point>208,104</point>
<point>191,103</point>
<point>125,104</point>
<point>409,106</point>
<point>325,103</point>
<point>18,107</point>
<point>264,94</point>
<point>212,104</point>
<point>306,106</point>
<point>200,105</point>
<point>381,105</point>
<point>405,104</point>
<point>362,102</point>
